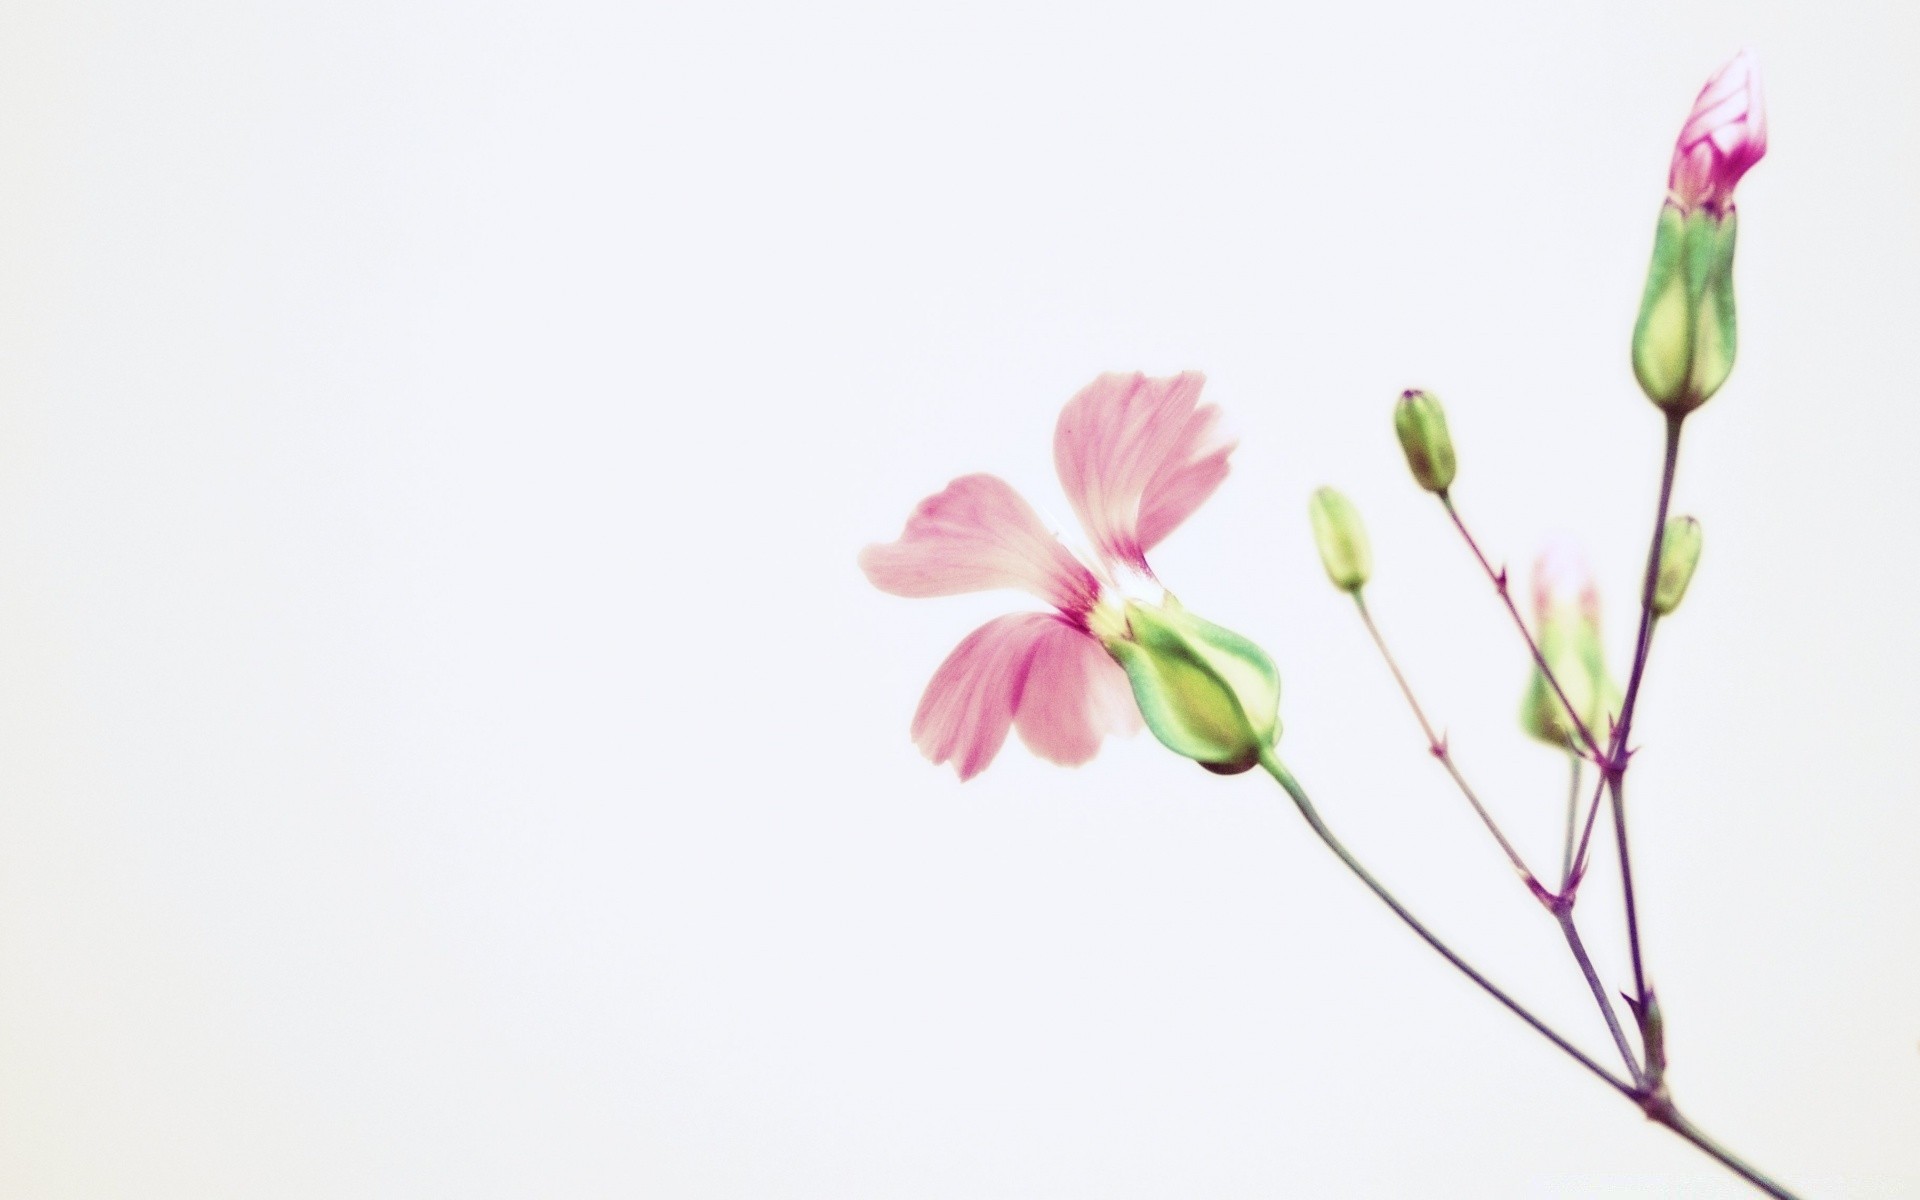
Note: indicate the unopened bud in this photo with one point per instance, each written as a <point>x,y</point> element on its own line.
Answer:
<point>1567,630</point>
<point>1342,539</point>
<point>1421,425</point>
<point>1685,337</point>
<point>1206,692</point>
<point>1679,555</point>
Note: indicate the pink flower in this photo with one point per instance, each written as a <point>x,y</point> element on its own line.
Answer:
<point>1136,456</point>
<point>1724,136</point>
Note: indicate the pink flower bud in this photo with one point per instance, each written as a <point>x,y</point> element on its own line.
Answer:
<point>1563,584</point>
<point>1566,608</point>
<point>1724,135</point>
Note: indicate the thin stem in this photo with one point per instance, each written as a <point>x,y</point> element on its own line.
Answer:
<point>1653,1101</point>
<point>1286,780</point>
<point>1643,642</point>
<point>1563,912</point>
<point>1615,794</point>
<point>1617,752</point>
<point>1564,915</point>
<point>1499,581</point>
<point>1666,1114</point>
<point>1586,832</point>
<point>1573,813</point>
<point>1440,750</point>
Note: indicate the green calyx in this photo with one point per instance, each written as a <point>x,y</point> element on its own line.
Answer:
<point>1341,539</point>
<point>1206,692</point>
<point>1686,334</point>
<point>1421,425</point>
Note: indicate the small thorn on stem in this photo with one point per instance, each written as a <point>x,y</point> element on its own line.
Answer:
<point>1439,748</point>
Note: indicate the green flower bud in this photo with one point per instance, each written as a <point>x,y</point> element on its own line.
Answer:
<point>1421,425</point>
<point>1686,334</point>
<point>1567,630</point>
<point>1207,693</point>
<point>1679,555</point>
<point>1342,539</point>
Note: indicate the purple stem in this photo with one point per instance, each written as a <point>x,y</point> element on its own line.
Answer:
<point>1615,767</point>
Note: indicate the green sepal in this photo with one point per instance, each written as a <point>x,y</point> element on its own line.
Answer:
<point>1716,332</point>
<point>1653,1034</point>
<point>1206,692</point>
<point>1686,335</point>
<point>1663,333</point>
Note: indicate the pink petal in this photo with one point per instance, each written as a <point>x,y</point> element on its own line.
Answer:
<point>1563,582</point>
<point>976,535</point>
<point>969,704</point>
<point>1136,457</point>
<point>1725,134</point>
<point>1075,695</point>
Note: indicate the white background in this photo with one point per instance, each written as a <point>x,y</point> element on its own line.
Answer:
<point>447,749</point>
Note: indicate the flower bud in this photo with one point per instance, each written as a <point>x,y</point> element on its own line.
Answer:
<point>1567,630</point>
<point>1207,693</point>
<point>1342,539</point>
<point>1679,555</point>
<point>1421,425</point>
<point>1685,336</point>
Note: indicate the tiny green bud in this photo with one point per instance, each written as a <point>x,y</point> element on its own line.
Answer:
<point>1206,692</point>
<point>1342,539</point>
<point>1679,555</point>
<point>1421,425</point>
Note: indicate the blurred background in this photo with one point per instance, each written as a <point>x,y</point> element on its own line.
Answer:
<point>447,749</point>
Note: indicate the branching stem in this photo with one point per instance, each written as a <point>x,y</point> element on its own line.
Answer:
<point>1651,1098</point>
<point>1560,905</point>
<point>1293,789</point>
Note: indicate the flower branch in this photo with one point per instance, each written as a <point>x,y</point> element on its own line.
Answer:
<point>1345,554</point>
<point>1115,650</point>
